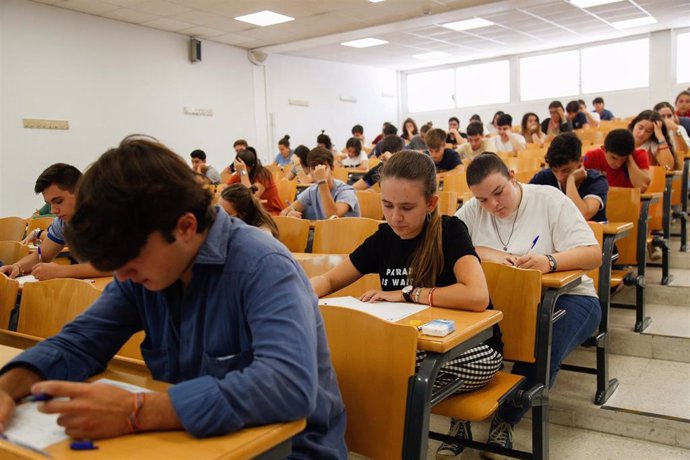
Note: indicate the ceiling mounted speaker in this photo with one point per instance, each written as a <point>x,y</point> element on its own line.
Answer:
<point>194,50</point>
<point>257,57</point>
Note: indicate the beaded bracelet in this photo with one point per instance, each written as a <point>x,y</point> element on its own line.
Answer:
<point>132,418</point>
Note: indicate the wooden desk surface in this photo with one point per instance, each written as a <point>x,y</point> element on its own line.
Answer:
<point>614,228</point>
<point>467,325</point>
<point>653,197</point>
<point>674,173</point>
<point>247,443</point>
<point>557,280</point>
<point>101,283</point>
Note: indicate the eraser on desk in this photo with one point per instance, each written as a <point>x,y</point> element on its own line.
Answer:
<point>438,327</point>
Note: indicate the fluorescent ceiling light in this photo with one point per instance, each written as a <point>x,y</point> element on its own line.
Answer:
<point>468,24</point>
<point>592,3</point>
<point>264,18</point>
<point>376,1</point>
<point>364,43</point>
<point>431,55</point>
<point>630,23</point>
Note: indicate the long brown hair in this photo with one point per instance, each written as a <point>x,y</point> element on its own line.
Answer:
<point>427,261</point>
<point>249,208</point>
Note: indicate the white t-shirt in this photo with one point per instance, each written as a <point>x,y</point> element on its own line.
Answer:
<point>543,211</point>
<point>349,162</point>
<point>508,146</point>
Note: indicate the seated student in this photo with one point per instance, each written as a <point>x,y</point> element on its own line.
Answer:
<point>284,156</point>
<point>593,118</point>
<point>507,140</point>
<point>355,158</point>
<point>389,146</point>
<point>531,129</point>
<point>230,319</point>
<point>417,142</point>
<point>455,137</point>
<point>358,132</point>
<point>619,161</point>
<point>388,130</point>
<point>651,135</point>
<point>57,184</point>
<point>678,134</point>
<point>577,119</point>
<point>683,104</point>
<point>409,130</point>
<point>587,188</point>
<point>426,258</point>
<point>476,118</point>
<point>327,197</point>
<point>199,165</point>
<point>240,201</point>
<point>492,128</point>
<point>380,135</point>
<point>604,114</point>
<point>504,219</point>
<point>324,140</point>
<point>476,144</point>
<point>446,160</point>
<point>240,145</point>
<point>557,123</point>
<point>250,172</point>
<point>299,169</point>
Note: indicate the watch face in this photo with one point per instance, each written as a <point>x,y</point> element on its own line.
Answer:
<point>407,289</point>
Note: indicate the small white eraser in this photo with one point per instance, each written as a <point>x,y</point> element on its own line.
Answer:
<point>438,327</point>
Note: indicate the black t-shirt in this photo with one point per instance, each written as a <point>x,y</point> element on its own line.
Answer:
<point>450,160</point>
<point>594,185</point>
<point>387,254</point>
<point>373,175</point>
<point>450,139</point>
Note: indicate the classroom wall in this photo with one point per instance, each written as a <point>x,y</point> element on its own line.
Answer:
<point>622,103</point>
<point>109,79</point>
<point>321,84</point>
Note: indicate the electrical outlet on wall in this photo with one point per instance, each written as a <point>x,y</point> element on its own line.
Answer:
<point>39,123</point>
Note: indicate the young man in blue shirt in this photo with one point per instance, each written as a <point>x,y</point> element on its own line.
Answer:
<point>577,119</point>
<point>604,114</point>
<point>230,319</point>
<point>445,159</point>
<point>587,188</point>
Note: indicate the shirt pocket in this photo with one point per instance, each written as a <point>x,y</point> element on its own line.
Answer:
<point>218,366</point>
<point>157,361</point>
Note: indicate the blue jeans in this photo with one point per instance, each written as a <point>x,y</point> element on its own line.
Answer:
<point>583,314</point>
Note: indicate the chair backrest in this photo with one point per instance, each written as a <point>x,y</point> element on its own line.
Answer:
<point>12,251</point>
<point>47,306</point>
<point>342,236</point>
<point>456,182</point>
<point>523,163</point>
<point>370,204</point>
<point>590,136</point>
<point>12,228</point>
<point>8,299</point>
<point>294,232</point>
<point>371,358</point>
<point>598,230</point>
<point>39,222</point>
<point>287,190</point>
<point>525,176</point>
<point>623,205</point>
<point>517,293</point>
<point>341,174</point>
<point>447,202</point>
<point>373,161</point>
<point>274,168</point>
<point>657,185</point>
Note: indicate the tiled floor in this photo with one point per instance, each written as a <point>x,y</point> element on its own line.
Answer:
<point>667,320</point>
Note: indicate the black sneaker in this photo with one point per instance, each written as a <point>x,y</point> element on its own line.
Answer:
<point>461,429</point>
<point>500,435</point>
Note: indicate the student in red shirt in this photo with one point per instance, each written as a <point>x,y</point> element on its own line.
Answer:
<point>620,162</point>
<point>250,173</point>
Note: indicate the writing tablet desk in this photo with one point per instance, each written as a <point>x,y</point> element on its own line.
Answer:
<point>98,283</point>
<point>263,442</point>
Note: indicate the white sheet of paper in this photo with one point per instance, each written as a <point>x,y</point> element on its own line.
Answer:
<point>32,428</point>
<point>25,279</point>
<point>389,311</point>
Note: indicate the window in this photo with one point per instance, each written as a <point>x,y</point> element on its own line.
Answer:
<point>683,58</point>
<point>615,66</point>
<point>550,75</point>
<point>430,90</point>
<point>482,84</point>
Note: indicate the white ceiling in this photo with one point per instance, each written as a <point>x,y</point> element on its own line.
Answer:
<point>410,26</point>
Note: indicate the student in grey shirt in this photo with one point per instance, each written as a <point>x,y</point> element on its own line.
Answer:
<point>199,165</point>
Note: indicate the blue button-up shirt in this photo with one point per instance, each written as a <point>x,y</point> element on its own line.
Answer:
<point>244,343</point>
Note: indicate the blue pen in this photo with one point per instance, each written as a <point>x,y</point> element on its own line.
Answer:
<point>39,254</point>
<point>38,397</point>
<point>83,445</point>
<point>534,243</point>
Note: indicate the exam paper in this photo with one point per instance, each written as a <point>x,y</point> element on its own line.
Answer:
<point>389,311</point>
<point>25,279</point>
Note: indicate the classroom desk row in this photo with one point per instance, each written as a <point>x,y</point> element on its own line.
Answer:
<point>265,442</point>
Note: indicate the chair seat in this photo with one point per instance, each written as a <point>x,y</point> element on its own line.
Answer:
<point>478,405</point>
<point>617,277</point>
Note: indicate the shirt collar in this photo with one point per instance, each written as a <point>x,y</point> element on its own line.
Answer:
<point>214,250</point>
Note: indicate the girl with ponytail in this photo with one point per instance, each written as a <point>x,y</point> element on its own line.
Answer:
<point>425,258</point>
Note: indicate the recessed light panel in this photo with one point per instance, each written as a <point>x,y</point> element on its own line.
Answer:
<point>364,43</point>
<point>630,23</point>
<point>468,24</point>
<point>264,18</point>
<point>592,3</point>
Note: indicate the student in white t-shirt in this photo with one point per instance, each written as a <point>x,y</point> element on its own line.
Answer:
<point>507,140</point>
<point>504,219</point>
<point>354,157</point>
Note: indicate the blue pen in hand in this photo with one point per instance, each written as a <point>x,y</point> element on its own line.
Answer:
<point>534,243</point>
<point>38,397</point>
<point>40,256</point>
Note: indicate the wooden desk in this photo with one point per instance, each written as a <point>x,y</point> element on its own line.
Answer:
<point>98,283</point>
<point>269,441</point>
<point>561,280</point>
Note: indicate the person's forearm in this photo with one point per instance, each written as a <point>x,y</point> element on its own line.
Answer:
<point>321,286</point>
<point>17,382</point>
<point>244,180</point>
<point>158,413</point>
<point>664,156</point>
<point>84,271</point>
<point>574,195</point>
<point>27,262</point>
<point>638,177</point>
<point>458,296</point>
<point>489,254</point>
<point>580,258</point>
<point>329,207</point>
